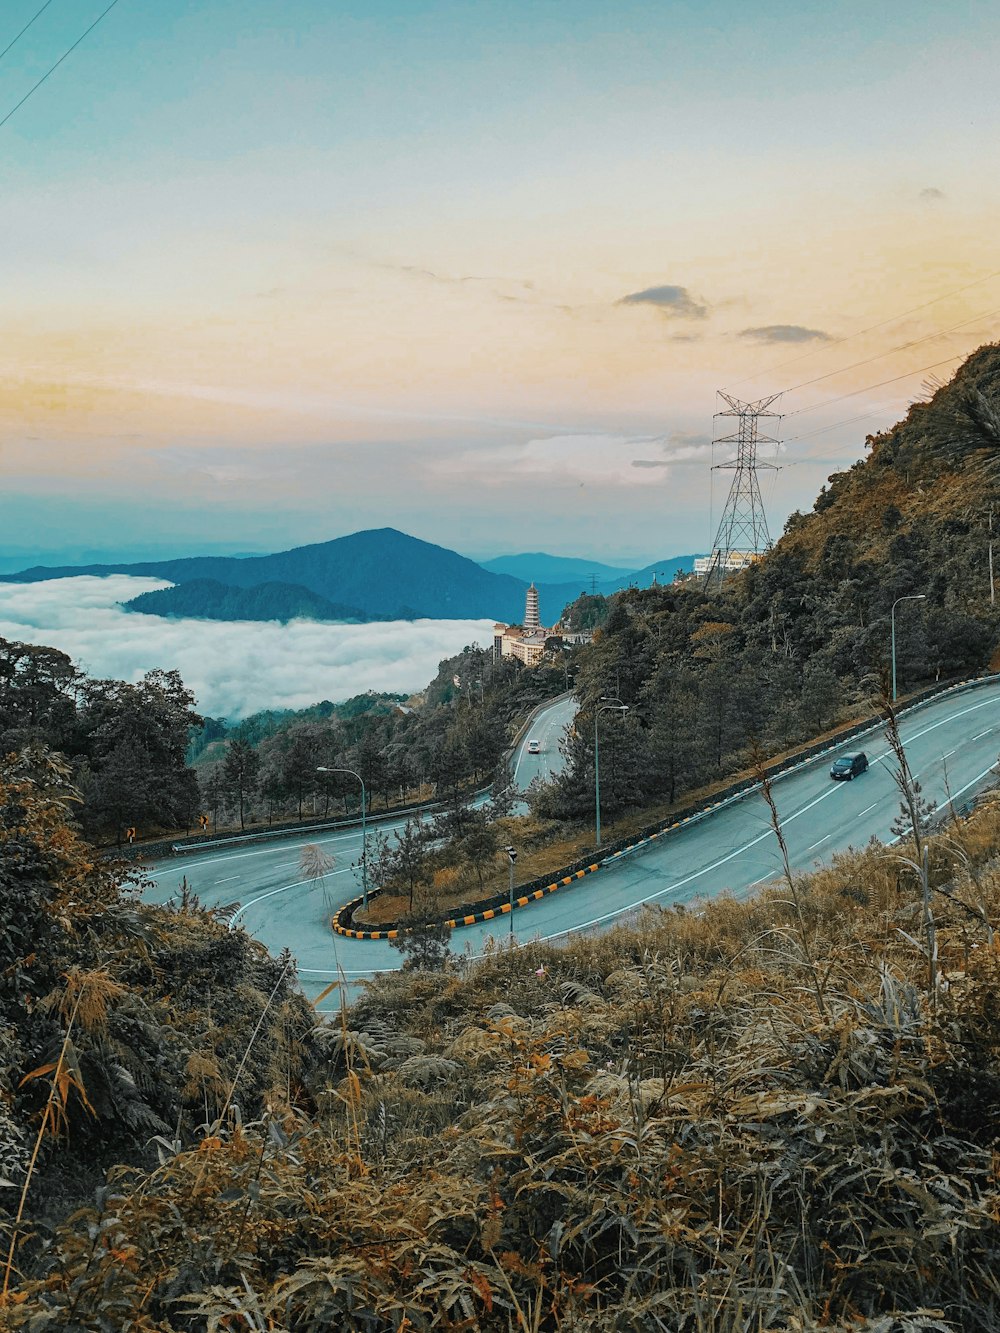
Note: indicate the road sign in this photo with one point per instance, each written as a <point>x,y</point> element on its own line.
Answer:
<point>511,854</point>
<point>130,834</point>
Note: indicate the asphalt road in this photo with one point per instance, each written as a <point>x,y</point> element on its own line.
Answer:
<point>952,746</point>
<point>264,883</point>
<point>548,729</point>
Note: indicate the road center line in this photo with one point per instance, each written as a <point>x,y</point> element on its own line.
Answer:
<point>284,889</point>
<point>868,808</point>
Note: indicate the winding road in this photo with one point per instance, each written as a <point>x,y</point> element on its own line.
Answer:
<point>952,746</point>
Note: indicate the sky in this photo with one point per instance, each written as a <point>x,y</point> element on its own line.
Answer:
<point>274,273</point>
<point>233,668</point>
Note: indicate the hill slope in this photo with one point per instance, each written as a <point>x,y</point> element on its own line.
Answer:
<point>382,572</point>
<point>210,600</point>
<point>804,638</point>
<point>378,574</point>
<point>537,567</point>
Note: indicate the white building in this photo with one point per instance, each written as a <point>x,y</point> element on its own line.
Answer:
<point>526,643</point>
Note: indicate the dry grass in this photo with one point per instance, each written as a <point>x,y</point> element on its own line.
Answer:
<point>662,1127</point>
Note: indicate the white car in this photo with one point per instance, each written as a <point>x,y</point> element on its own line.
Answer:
<point>534,747</point>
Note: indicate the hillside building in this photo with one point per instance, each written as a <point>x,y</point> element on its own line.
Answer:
<point>526,642</point>
<point>734,562</point>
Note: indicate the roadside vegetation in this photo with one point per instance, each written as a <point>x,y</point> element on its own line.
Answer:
<point>760,1115</point>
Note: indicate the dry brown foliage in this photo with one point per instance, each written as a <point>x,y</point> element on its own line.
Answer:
<point>661,1127</point>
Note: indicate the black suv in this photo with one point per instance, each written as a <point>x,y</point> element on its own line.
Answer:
<point>848,766</point>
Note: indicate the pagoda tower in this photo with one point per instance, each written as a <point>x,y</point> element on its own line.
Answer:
<point>531,621</point>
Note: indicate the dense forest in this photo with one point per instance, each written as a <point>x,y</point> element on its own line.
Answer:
<point>125,743</point>
<point>211,600</point>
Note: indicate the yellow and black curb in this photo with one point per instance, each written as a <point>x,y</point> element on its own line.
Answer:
<point>453,923</point>
<point>491,913</point>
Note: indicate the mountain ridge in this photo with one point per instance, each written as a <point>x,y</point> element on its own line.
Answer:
<point>379,573</point>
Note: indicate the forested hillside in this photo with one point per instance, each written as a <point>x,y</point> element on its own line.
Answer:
<point>210,600</point>
<point>802,638</point>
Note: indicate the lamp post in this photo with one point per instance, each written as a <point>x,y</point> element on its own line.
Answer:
<point>364,837</point>
<point>511,858</point>
<point>614,705</point>
<point>910,597</point>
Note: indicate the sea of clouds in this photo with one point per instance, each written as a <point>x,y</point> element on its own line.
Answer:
<point>235,667</point>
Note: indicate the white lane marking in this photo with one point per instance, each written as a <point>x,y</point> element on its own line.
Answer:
<point>974,781</point>
<point>950,753</point>
<point>868,807</point>
<point>950,718</point>
<point>981,735</point>
<point>284,889</point>
<point>820,843</point>
<point>227,880</point>
<point>273,850</point>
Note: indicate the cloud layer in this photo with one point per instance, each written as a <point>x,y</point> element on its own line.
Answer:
<point>234,668</point>
<point>674,301</point>
<point>785,333</point>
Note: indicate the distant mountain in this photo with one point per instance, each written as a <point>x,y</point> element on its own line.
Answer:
<point>662,571</point>
<point>560,595</point>
<point>381,572</point>
<point>207,599</point>
<point>540,568</point>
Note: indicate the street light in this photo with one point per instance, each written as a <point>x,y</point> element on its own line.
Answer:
<point>910,597</point>
<point>511,858</point>
<point>617,706</point>
<point>364,838</point>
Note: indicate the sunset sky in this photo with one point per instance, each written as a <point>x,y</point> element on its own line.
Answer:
<point>275,272</point>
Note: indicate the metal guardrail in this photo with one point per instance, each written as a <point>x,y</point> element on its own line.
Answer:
<point>297,830</point>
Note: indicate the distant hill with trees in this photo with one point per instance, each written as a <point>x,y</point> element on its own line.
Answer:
<point>376,575</point>
<point>382,573</point>
<point>537,567</point>
<point>207,599</point>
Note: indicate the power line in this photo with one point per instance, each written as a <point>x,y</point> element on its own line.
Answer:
<point>900,347</point>
<point>858,333</point>
<point>848,421</point>
<point>54,67</point>
<point>25,29</point>
<point>881,384</point>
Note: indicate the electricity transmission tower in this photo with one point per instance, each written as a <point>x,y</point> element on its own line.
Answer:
<point>742,534</point>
